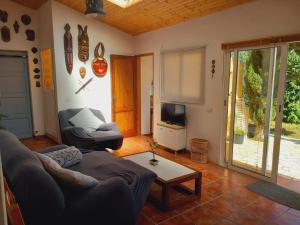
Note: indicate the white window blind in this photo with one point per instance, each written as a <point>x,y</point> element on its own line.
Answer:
<point>182,75</point>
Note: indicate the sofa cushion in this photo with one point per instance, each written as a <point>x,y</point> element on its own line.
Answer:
<point>66,157</point>
<point>66,176</point>
<point>86,119</point>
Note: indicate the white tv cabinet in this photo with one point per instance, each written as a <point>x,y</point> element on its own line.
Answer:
<point>171,136</point>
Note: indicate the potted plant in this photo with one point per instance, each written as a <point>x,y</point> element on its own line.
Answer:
<point>153,146</point>
<point>251,130</point>
<point>1,118</point>
<point>239,135</point>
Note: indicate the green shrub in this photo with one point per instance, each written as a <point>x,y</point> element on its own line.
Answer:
<point>291,110</point>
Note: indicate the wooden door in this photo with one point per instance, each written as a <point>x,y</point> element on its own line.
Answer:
<point>124,92</point>
<point>15,93</point>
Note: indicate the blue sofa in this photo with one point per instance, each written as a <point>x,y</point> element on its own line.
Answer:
<point>117,199</point>
<point>106,136</point>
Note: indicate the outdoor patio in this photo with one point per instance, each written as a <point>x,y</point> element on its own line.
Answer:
<point>250,153</point>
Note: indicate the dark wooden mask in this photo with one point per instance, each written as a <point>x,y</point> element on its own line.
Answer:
<point>83,44</point>
<point>68,45</point>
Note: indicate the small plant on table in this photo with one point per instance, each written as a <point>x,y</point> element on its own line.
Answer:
<point>153,146</point>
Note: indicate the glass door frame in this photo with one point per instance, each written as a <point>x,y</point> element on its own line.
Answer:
<point>279,109</point>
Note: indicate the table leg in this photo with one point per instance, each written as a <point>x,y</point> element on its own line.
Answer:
<point>165,197</point>
<point>198,185</point>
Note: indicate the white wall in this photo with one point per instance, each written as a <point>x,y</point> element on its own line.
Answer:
<point>19,43</point>
<point>146,80</point>
<point>98,93</point>
<point>257,19</point>
<point>49,96</point>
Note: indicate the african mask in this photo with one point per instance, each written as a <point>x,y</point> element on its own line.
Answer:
<point>83,44</point>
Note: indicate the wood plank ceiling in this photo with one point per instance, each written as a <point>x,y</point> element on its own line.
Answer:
<point>148,15</point>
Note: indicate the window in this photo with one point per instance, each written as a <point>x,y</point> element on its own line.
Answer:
<point>182,75</point>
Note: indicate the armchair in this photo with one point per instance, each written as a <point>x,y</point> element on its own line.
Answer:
<point>106,136</point>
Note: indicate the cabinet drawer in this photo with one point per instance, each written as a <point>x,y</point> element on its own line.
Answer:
<point>174,139</point>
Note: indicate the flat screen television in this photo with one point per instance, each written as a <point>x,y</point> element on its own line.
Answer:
<point>173,113</point>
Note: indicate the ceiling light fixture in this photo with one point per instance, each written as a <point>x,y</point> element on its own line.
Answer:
<point>94,8</point>
<point>125,3</point>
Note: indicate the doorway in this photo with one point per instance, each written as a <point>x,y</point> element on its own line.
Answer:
<point>262,89</point>
<point>289,156</point>
<point>15,102</point>
<point>252,104</point>
<point>124,92</point>
<point>145,80</point>
<point>132,93</point>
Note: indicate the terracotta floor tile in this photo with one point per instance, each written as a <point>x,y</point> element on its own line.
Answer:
<point>246,218</point>
<point>142,220</point>
<point>155,214</point>
<point>202,216</point>
<point>178,220</point>
<point>225,222</point>
<point>266,209</point>
<point>222,207</point>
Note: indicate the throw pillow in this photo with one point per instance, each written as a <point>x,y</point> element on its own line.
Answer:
<point>86,119</point>
<point>66,176</point>
<point>66,157</point>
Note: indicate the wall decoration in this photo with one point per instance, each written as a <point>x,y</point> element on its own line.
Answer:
<point>99,64</point>
<point>68,45</point>
<point>36,70</point>
<point>3,16</point>
<point>38,84</point>
<point>83,44</point>
<point>30,35</point>
<point>84,85</point>
<point>213,66</point>
<point>47,68</point>
<point>35,61</point>
<point>5,34</point>
<point>34,50</point>
<point>26,20</point>
<point>37,76</point>
<point>82,72</point>
<point>16,27</point>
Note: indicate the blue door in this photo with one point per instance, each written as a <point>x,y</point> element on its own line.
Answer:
<point>15,94</point>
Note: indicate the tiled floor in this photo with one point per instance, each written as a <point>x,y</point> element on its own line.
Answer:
<point>225,200</point>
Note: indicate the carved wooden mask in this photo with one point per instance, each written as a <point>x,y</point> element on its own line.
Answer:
<point>68,45</point>
<point>83,44</point>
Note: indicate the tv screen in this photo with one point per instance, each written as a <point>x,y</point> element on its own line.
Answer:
<point>173,113</point>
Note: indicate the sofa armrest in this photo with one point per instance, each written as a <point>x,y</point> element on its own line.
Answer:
<point>109,127</point>
<point>109,203</point>
<point>52,148</point>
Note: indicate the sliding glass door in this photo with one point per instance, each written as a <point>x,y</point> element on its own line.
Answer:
<point>253,106</point>
<point>289,126</point>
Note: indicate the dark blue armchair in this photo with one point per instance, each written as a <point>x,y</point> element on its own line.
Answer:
<point>106,136</point>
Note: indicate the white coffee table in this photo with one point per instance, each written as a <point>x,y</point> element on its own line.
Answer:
<point>169,174</point>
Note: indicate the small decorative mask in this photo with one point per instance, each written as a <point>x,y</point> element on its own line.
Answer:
<point>82,72</point>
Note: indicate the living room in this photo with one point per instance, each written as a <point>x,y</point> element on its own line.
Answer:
<point>154,76</point>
